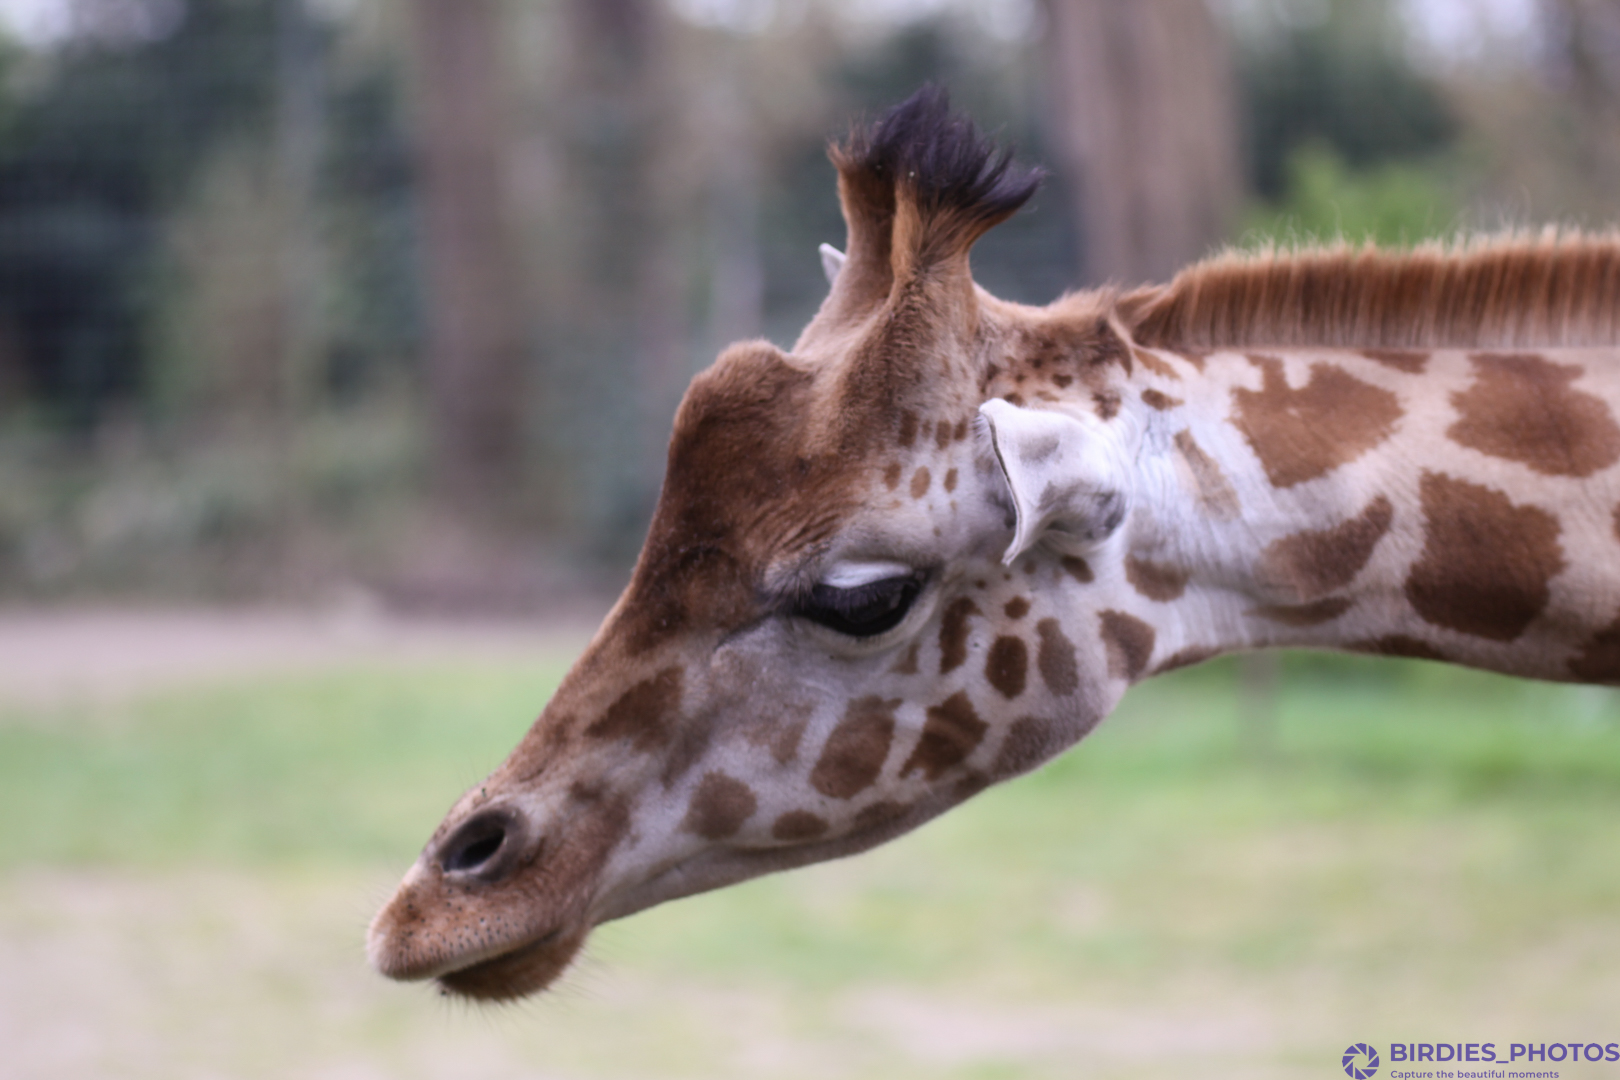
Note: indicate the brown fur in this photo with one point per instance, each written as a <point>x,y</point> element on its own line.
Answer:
<point>1513,291</point>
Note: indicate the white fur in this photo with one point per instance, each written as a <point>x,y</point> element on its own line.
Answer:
<point>832,261</point>
<point>850,575</point>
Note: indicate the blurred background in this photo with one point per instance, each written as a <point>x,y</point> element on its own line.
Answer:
<point>339,342</point>
<point>303,297</point>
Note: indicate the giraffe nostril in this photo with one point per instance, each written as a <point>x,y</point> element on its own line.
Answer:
<point>483,846</point>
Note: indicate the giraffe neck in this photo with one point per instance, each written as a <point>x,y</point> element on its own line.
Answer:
<point>1449,504</point>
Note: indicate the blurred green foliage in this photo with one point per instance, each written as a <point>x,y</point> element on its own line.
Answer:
<point>1397,203</point>
<point>360,764</point>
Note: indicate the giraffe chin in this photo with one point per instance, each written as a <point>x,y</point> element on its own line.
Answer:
<point>527,969</point>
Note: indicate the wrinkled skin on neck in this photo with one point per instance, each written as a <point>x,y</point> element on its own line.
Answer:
<point>717,728</point>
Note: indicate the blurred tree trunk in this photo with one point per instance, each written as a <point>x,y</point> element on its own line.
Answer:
<point>624,319</point>
<point>1142,112</point>
<point>1584,41</point>
<point>475,361</point>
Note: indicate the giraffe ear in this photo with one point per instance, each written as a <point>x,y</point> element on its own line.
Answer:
<point>832,261</point>
<point>1061,481</point>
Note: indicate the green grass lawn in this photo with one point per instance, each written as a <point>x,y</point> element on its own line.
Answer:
<point>1402,852</point>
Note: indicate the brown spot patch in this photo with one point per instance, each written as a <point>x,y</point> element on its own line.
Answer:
<point>1163,402</point>
<point>1299,435</point>
<point>1156,581</point>
<point>1398,645</point>
<point>1155,365</point>
<point>1077,568</point>
<point>942,437</point>
<point>907,664</point>
<point>952,732</point>
<point>1599,659</point>
<point>1193,357</point>
<point>856,750</point>
<point>878,814</point>
<point>1485,563</point>
<point>1062,382</point>
<point>1521,407</point>
<point>1017,607</point>
<point>950,480</point>
<point>1029,741</point>
<point>719,807</point>
<point>1107,404</point>
<point>1215,491</point>
<point>919,482</point>
<point>785,743</point>
<point>961,429</point>
<point>1129,642</point>
<point>1055,660</point>
<point>1407,360</point>
<point>1193,654</point>
<point>1007,666</point>
<point>798,825</point>
<point>908,428</point>
<point>953,633</point>
<point>1312,614</point>
<point>1313,564</point>
<point>644,714</point>
<point>891,475</point>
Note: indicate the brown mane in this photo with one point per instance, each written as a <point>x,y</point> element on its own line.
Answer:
<point>1511,291</point>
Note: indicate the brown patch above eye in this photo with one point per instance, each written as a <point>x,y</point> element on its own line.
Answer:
<point>1156,581</point>
<point>891,475</point>
<point>1017,607</point>
<point>952,732</point>
<point>798,825</point>
<point>719,807</point>
<point>1154,399</point>
<point>1521,408</point>
<point>644,714</point>
<point>953,633</point>
<point>1129,642</point>
<point>1316,563</point>
<point>1299,435</point>
<point>1007,666</point>
<point>1055,659</point>
<point>856,749</point>
<point>1486,563</point>
<point>1400,359</point>
<point>950,480</point>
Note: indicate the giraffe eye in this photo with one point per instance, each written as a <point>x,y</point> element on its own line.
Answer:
<point>861,610</point>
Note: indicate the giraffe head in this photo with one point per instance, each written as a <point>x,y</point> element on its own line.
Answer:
<point>854,608</point>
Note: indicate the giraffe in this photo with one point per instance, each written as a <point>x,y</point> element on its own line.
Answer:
<point>932,545</point>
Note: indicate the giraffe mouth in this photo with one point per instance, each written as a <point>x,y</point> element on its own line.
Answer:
<point>518,972</point>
